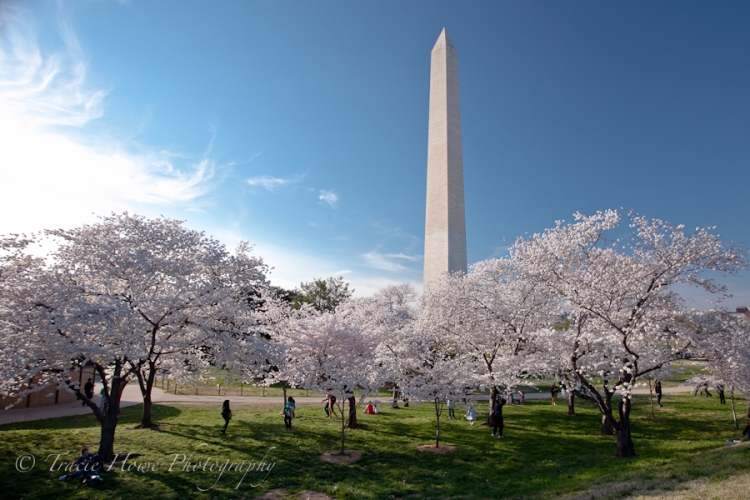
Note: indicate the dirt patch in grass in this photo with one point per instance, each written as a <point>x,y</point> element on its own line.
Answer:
<point>431,448</point>
<point>336,457</point>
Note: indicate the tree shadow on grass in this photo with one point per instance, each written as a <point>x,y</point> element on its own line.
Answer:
<point>129,416</point>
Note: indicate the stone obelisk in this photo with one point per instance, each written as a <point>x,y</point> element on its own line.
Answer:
<point>445,222</point>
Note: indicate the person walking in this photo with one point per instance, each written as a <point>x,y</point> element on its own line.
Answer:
<point>720,390</point>
<point>451,408</point>
<point>553,393</point>
<point>705,388</point>
<point>289,413</point>
<point>330,408</point>
<point>226,414</point>
<point>657,390</point>
<point>522,397</point>
<point>497,418</point>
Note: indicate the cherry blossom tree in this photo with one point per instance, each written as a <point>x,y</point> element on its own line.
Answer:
<point>171,292</point>
<point>724,339</point>
<point>24,286</point>
<point>630,321</point>
<point>489,315</point>
<point>332,351</point>
<point>131,296</point>
<point>430,368</point>
<point>48,332</point>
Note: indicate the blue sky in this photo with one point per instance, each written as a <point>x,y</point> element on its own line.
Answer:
<point>302,126</point>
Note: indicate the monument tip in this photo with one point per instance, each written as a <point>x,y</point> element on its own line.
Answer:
<point>443,38</point>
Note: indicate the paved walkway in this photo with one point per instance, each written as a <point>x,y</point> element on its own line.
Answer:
<point>132,396</point>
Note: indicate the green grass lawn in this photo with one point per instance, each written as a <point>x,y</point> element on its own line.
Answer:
<point>545,453</point>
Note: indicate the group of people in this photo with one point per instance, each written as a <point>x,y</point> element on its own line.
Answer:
<point>496,408</point>
<point>496,414</point>
<point>702,388</point>
<point>288,412</point>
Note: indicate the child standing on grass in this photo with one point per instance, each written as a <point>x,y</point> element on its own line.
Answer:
<point>471,415</point>
<point>226,414</point>
<point>289,413</point>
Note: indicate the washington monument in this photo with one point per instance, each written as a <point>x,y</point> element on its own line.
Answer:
<point>445,222</point>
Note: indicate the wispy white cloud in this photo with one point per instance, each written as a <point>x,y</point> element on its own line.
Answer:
<point>329,197</point>
<point>392,231</point>
<point>389,261</point>
<point>499,252</point>
<point>56,171</point>
<point>44,90</point>
<point>270,183</point>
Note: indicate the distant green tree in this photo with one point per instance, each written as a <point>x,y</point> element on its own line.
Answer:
<point>323,294</point>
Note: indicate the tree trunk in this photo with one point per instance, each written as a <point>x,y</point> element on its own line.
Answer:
<point>625,446</point>
<point>734,411</point>
<point>352,424</point>
<point>343,422</point>
<point>108,419</point>
<point>572,404</point>
<point>283,389</point>
<point>107,438</point>
<point>607,429</point>
<point>437,416</point>
<point>146,422</point>
<point>146,384</point>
